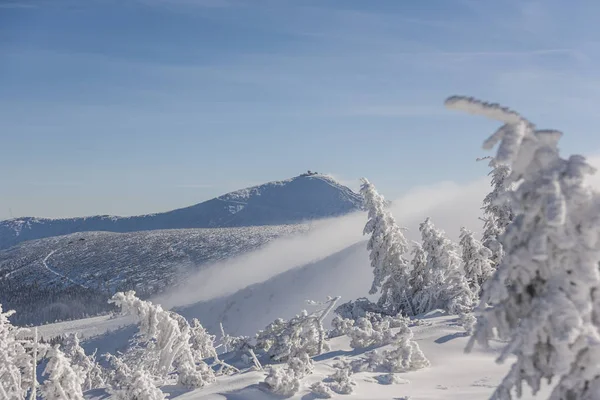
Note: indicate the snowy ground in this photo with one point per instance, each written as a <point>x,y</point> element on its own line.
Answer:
<point>452,374</point>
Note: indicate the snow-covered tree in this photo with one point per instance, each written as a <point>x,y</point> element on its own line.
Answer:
<point>549,314</point>
<point>444,284</point>
<point>163,342</point>
<point>420,275</point>
<point>128,384</point>
<point>89,370</point>
<point>387,246</point>
<point>16,364</point>
<point>476,259</point>
<point>63,380</point>
<point>497,210</point>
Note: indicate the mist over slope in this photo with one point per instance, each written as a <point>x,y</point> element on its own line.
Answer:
<point>283,296</point>
<point>74,275</point>
<point>305,197</point>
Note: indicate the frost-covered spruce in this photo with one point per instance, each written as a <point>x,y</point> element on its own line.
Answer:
<point>164,342</point>
<point>387,246</point>
<point>420,276</point>
<point>444,283</point>
<point>63,381</point>
<point>497,210</point>
<point>89,370</point>
<point>550,312</point>
<point>476,259</point>
<point>16,364</point>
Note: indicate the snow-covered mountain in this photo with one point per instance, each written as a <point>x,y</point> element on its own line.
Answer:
<point>305,197</point>
<point>73,275</point>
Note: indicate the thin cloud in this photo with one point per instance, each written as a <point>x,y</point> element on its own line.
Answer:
<point>17,5</point>
<point>194,186</point>
<point>189,3</point>
<point>394,111</point>
<point>55,183</point>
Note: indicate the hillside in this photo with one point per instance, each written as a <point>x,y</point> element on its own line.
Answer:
<point>305,197</point>
<point>73,275</point>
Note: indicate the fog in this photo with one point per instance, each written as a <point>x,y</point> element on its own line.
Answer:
<point>448,204</point>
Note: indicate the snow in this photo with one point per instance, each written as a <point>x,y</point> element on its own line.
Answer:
<point>452,375</point>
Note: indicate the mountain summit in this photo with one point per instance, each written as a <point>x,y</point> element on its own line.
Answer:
<point>306,197</point>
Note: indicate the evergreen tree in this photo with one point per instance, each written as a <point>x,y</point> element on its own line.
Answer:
<point>387,246</point>
<point>497,210</point>
<point>444,283</point>
<point>476,259</point>
<point>550,312</point>
<point>420,276</point>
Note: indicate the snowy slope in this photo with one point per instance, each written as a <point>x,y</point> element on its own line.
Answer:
<point>50,278</point>
<point>276,203</point>
<point>453,375</point>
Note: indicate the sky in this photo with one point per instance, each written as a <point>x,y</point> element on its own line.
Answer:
<point>134,106</point>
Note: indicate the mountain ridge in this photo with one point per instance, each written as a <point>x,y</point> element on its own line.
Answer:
<point>295,200</point>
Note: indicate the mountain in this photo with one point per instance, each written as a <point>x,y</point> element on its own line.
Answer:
<point>73,275</point>
<point>305,197</point>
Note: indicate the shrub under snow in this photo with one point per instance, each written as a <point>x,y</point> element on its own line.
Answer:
<point>355,309</point>
<point>16,364</point>
<point>88,369</point>
<point>128,384</point>
<point>285,380</point>
<point>163,342</point>
<point>304,333</point>
<point>63,381</point>
<point>404,356</point>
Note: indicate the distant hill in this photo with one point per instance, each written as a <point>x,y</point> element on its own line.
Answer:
<point>72,276</point>
<point>303,198</point>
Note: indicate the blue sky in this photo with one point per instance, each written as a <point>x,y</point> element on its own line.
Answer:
<point>126,107</point>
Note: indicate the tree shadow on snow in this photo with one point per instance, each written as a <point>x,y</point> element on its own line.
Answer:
<point>251,392</point>
<point>175,390</point>
<point>449,337</point>
<point>344,353</point>
<point>309,396</point>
